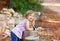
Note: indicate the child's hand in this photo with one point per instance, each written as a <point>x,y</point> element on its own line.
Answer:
<point>40,30</point>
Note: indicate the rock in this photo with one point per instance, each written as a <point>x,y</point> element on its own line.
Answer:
<point>11,21</point>
<point>4,9</point>
<point>2,17</point>
<point>11,11</point>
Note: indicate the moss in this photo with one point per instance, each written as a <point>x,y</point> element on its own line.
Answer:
<point>24,5</point>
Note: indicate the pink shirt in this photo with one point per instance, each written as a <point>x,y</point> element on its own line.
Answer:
<point>19,28</point>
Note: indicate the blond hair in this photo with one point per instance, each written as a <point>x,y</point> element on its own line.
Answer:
<point>28,13</point>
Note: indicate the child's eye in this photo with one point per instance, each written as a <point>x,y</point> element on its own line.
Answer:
<point>30,15</point>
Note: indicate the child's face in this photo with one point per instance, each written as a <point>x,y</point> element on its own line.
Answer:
<point>31,17</point>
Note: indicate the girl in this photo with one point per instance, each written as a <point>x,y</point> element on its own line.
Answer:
<point>17,32</point>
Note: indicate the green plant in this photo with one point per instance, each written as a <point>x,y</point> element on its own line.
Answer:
<point>24,5</point>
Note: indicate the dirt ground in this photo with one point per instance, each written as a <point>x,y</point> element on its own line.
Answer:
<point>5,39</point>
